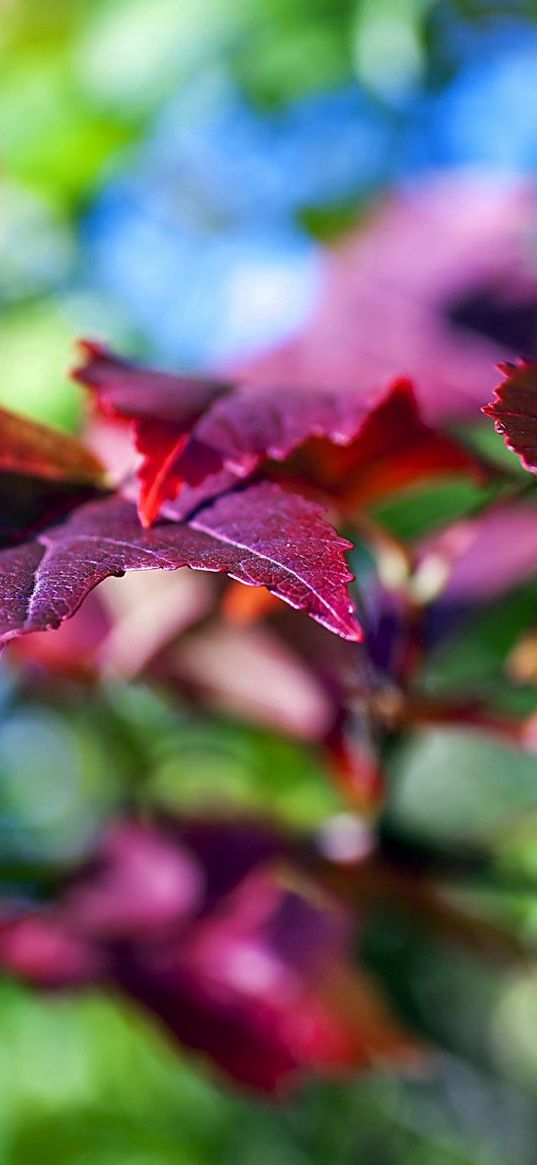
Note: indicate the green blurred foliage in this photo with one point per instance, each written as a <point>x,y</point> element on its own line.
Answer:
<point>93,1084</point>
<point>130,743</point>
<point>415,512</point>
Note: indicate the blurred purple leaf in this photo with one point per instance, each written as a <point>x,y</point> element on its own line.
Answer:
<point>424,289</point>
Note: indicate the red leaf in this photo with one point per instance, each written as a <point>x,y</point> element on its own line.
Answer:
<point>514,411</point>
<point>38,451</point>
<point>262,536</point>
<point>188,429</point>
<point>162,408</point>
<point>393,447</point>
<point>195,433</point>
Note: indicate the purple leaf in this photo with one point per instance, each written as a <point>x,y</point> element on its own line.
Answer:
<point>425,288</point>
<point>251,425</point>
<point>134,393</point>
<point>262,536</point>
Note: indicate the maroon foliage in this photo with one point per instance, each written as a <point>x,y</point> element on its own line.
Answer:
<point>198,434</point>
<point>262,536</point>
<point>194,921</point>
<point>206,437</point>
<point>392,448</point>
<point>163,410</point>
